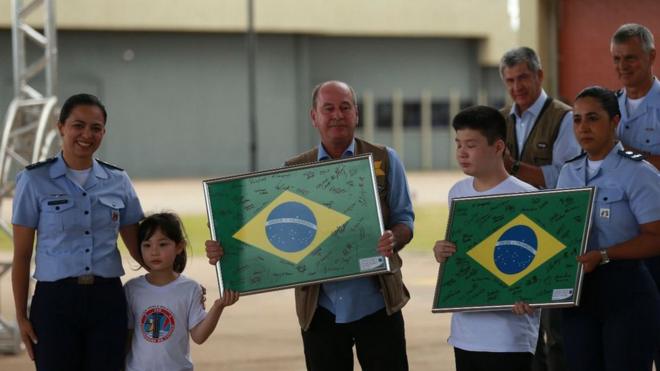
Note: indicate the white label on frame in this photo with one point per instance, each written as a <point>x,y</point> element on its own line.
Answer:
<point>369,264</point>
<point>561,294</point>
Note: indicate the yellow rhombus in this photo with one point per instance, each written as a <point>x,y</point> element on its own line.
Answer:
<point>327,222</point>
<point>484,252</point>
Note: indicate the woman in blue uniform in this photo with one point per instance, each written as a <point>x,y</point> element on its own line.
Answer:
<point>75,205</point>
<point>617,323</point>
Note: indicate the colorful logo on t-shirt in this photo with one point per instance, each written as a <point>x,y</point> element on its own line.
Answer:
<point>157,324</point>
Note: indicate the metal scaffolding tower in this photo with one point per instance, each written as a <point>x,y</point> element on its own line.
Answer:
<point>29,131</point>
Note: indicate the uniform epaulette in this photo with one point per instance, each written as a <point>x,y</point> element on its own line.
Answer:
<point>631,155</point>
<point>107,164</point>
<point>41,163</point>
<point>618,93</point>
<point>581,155</point>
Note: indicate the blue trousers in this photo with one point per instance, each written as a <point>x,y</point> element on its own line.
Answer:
<point>79,327</point>
<point>617,325</point>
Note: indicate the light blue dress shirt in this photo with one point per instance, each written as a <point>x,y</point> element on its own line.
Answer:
<point>641,129</point>
<point>77,227</point>
<point>627,195</point>
<point>565,147</point>
<point>354,299</point>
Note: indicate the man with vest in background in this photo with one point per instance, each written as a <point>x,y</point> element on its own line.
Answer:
<point>633,54</point>
<point>366,311</point>
<point>539,140</point>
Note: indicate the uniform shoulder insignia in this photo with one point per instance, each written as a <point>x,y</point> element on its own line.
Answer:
<point>107,164</point>
<point>581,155</point>
<point>631,155</point>
<point>41,163</point>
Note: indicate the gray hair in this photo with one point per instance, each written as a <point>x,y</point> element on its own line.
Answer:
<point>630,30</point>
<point>315,92</point>
<point>519,55</point>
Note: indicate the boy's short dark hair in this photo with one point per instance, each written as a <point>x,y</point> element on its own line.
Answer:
<point>487,120</point>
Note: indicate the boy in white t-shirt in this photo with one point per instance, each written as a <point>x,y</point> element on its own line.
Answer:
<point>495,340</point>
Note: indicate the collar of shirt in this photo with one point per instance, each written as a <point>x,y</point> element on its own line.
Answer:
<point>58,169</point>
<point>610,161</point>
<point>535,109</point>
<point>654,92</point>
<point>323,154</point>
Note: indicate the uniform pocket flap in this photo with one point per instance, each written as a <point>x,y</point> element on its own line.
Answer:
<point>610,195</point>
<point>112,202</point>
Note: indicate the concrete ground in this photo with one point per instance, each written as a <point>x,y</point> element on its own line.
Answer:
<point>261,331</point>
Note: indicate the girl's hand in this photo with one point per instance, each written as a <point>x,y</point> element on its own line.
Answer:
<point>443,250</point>
<point>521,308</point>
<point>230,297</point>
<point>590,260</point>
<point>214,251</point>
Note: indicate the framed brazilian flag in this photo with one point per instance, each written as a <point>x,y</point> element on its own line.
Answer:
<point>515,247</point>
<point>297,225</point>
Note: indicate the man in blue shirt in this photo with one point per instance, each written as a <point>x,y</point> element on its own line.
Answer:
<point>365,312</point>
<point>633,53</point>
<point>539,128</point>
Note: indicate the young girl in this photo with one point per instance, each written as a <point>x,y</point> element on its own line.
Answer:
<point>163,305</point>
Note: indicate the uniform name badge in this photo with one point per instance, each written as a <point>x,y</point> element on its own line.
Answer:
<point>604,213</point>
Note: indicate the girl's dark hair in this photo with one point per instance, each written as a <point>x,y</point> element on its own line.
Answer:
<point>487,120</point>
<point>81,100</point>
<point>171,226</point>
<point>605,97</point>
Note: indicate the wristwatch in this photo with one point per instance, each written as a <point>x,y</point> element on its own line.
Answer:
<point>604,259</point>
<point>515,167</point>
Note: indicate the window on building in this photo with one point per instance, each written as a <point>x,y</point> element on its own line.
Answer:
<point>412,113</point>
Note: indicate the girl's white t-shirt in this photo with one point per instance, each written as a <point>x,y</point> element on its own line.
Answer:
<point>493,331</point>
<point>161,318</point>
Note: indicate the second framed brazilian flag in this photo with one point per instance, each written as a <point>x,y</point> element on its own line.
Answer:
<point>515,247</point>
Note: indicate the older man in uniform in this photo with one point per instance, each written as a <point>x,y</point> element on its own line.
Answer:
<point>633,54</point>
<point>539,140</point>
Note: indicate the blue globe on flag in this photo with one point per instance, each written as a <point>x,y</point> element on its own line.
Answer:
<point>515,249</point>
<point>291,226</point>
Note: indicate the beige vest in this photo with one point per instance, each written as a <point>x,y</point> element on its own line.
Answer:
<point>395,293</point>
<point>537,149</point>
